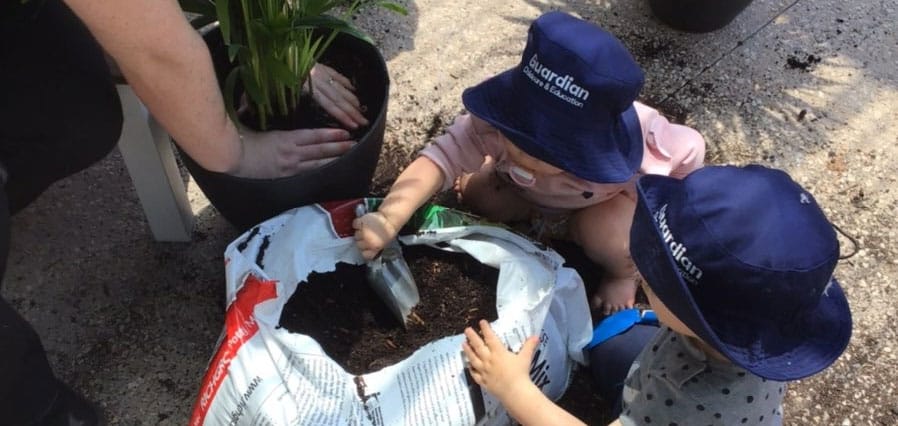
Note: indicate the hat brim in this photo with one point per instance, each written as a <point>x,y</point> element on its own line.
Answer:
<point>516,115</point>
<point>780,352</point>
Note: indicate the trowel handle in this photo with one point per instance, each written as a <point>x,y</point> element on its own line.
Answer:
<point>360,210</point>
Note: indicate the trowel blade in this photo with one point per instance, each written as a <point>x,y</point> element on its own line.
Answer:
<point>390,277</point>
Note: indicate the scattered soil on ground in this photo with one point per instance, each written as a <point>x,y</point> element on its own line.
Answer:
<point>795,62</point>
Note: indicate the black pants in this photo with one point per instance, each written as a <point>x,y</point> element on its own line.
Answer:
<point>610,362</point>
<point>59,113</point>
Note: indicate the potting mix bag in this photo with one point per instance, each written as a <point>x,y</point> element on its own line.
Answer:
<point>262,374</point>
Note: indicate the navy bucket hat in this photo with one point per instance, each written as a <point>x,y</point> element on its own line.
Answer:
<point>744,257</point>
<point>569,102</point>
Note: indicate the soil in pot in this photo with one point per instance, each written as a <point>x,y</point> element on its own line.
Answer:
<point>345,316</point>
<point>308,114</point>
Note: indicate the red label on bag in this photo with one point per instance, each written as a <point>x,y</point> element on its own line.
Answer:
<point>240,326</point>
<point>342,213</point>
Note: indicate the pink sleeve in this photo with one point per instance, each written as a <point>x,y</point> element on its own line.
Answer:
<point>670,149</point>
<point>462,148</point>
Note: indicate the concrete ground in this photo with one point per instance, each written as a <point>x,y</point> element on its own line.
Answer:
<point>807,86</point>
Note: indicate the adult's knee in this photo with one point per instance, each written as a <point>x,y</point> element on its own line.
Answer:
<point>60,112</point>
<point>95,130</point>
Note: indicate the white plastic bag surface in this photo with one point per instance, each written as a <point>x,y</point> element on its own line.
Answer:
<point>265,375</point>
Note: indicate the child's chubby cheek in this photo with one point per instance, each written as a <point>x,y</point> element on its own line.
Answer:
<point>531,164</point>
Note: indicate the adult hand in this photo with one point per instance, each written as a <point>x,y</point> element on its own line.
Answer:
<point>495,368</point>
<point>334,92</point>
<point>372,232</point>
<point>275,153</point>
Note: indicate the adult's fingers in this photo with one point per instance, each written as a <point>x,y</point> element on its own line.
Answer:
<point>331,73</point>
<point>303,137</point>
<point>342,104</point>
<point>335,94</point>
<point>323,151</point>
<point>313,164</point>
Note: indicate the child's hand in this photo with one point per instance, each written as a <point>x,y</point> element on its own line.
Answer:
<point>495,368</point>
<point>372,232</point>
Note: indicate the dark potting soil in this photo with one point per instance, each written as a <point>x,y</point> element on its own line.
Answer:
<point>308,114</point>
<point>346,317</point>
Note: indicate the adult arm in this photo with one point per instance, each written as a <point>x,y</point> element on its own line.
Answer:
<point>169,67</point>
<point>336,94</point>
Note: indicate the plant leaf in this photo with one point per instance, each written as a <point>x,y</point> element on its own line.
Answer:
<point>234,50</point>
<point>262,31</point>
<point>325,21</point>
<point>317,7</point>
<point>320,21</point>
<point>281,72</point>
<point>355,32</point>
<point>395,7</point>
<point>230,86</point>
<point>224,19</point>
<point>251,88</point>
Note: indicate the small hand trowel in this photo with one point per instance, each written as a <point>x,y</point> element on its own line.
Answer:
<point>391,278</point>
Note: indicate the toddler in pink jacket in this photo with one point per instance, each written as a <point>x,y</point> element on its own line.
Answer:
<point>559,137</point>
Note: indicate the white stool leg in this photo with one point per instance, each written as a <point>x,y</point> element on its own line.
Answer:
<point>147,151</point>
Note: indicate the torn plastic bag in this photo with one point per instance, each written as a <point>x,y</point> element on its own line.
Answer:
<point>264,374</point>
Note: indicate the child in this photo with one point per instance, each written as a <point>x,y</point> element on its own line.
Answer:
<point>738,267</point>
<point>558,136</point>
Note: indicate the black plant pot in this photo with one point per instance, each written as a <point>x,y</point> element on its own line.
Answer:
<point>697,16</point>
<point>245,202</point>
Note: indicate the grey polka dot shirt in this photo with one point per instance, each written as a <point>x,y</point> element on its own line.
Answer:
<point>672,382</point>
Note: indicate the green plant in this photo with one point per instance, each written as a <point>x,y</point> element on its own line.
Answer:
<point>275,44</point>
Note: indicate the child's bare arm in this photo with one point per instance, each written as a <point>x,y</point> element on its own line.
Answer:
<point>506,375</point>
<point>414,186</point>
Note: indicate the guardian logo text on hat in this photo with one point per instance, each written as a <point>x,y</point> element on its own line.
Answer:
<point>569,102</point>
<point>744,257</point>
